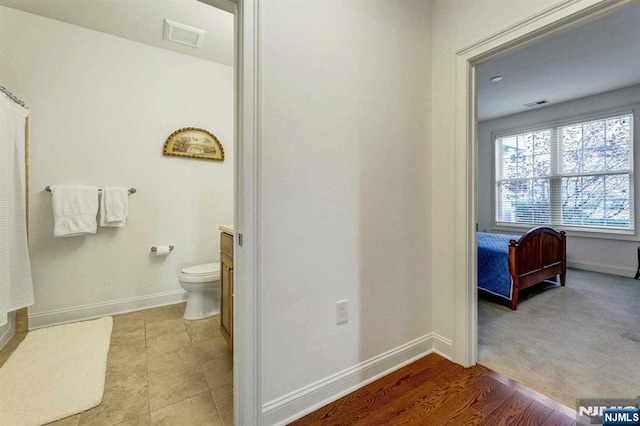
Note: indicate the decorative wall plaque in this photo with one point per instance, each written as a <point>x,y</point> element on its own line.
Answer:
<point>192,142</point>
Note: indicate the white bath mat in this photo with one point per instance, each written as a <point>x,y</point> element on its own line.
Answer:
<point>54,373</point>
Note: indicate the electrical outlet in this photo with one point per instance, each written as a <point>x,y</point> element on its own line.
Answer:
<point>342,312</point>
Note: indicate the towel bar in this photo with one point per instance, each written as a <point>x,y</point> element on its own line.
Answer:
<point>131,190</point>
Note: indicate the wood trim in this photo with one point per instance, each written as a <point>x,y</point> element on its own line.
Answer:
<point>226,297</point>
<point>549,21</point>
<point>247,357</point>
<point>226,244</point>
<point>516,36</point>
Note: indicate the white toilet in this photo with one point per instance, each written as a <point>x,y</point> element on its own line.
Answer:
<point>202,283</point>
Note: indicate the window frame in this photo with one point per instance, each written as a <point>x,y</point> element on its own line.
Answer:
<point>615,234</point>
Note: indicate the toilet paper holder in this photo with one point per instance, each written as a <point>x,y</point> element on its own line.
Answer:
<point>154,248</point>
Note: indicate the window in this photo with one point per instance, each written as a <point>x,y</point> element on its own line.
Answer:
<point>577,175</point>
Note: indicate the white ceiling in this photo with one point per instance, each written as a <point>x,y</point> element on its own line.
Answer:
<point>593,58</point>
<point>143,21</point>
<point>596,57</point>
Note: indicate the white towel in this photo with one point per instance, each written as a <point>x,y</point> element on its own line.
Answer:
<point>74,210</point>
<point>114,206</point>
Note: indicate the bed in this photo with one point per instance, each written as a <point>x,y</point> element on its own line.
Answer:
<point>508,264</point>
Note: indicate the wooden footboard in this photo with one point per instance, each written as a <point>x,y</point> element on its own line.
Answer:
<point>538,255</point>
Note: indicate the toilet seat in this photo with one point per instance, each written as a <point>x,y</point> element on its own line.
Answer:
<point>200,273</point>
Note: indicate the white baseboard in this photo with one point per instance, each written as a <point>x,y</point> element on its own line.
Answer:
<point>442,346</point>
<point>8,330</point>
<point>605,269</point>
<point>96,310</point>
<point>298,403</point>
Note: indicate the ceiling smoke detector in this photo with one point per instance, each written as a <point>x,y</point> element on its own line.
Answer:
<point>183,34</point>
<point>536,103</point>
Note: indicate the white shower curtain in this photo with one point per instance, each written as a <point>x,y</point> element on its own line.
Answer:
<point>16,288</point>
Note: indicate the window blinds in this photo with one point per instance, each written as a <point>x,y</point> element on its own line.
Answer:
<point>574,175</point>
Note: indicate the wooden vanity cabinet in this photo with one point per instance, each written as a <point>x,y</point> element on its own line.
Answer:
<point>226,284</point>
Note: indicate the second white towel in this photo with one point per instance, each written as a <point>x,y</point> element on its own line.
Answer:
<point>114,207</point>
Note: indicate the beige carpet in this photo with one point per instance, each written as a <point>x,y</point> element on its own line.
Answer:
<point>579,341</point>
<point>54,373</point>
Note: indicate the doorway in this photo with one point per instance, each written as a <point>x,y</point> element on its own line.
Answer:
<point>470,61</point>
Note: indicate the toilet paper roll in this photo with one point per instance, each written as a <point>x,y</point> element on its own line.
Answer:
<point>162,251</point>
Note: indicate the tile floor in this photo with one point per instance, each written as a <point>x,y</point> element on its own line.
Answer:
<point>161,370</point>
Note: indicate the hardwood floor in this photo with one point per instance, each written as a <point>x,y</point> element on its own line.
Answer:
<point>435,391</point>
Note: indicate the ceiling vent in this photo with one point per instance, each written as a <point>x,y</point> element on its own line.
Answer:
<point>183,34</point>
<point>537,103</point>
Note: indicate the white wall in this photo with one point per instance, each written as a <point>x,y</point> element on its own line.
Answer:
<point>101,110</point>
<point>599,254</point>
<point>456,25</point>
<point>343,178</point>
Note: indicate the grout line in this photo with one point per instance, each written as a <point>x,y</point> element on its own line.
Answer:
<point>213,400</point>
<point>178,402</point>
<point>200,364</point>
<point>215,404</point>
<point>197,357</point>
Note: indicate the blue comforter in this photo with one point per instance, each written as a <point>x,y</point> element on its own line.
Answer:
<point>493,263</point>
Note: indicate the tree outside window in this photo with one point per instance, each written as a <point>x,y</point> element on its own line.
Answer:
<point>576,175</point>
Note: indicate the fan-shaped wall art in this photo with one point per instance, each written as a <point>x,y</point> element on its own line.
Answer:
<point>192,142</point>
